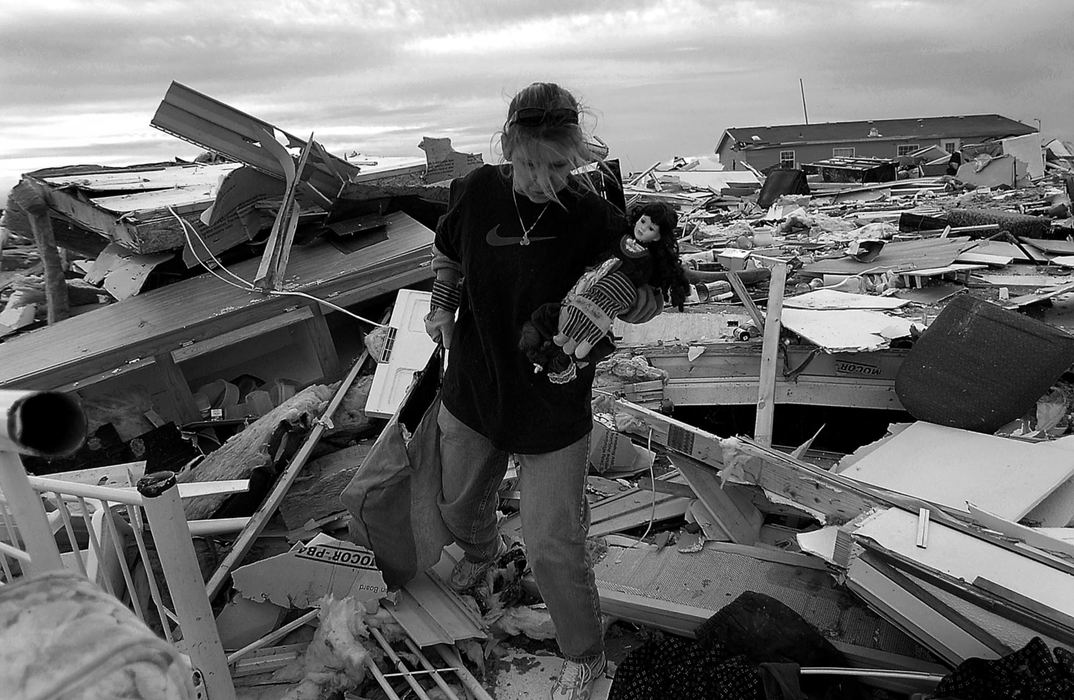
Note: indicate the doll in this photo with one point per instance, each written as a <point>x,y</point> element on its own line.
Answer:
<point>649,254</point>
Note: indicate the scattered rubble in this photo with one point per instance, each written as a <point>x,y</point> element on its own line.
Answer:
<point>934,284</point>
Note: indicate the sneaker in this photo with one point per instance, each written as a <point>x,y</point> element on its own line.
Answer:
<point>577,678</point>
<point>466,574</point>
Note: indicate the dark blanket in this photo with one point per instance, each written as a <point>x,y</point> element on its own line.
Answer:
<point>750,649</point>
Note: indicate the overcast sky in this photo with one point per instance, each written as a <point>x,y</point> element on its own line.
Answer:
<point>80,80</point>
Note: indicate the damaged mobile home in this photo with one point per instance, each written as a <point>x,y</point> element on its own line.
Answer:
<point>230,358</point>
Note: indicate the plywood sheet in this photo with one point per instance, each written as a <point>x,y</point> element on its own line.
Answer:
<point>1057,246</point>
<point>830,299</point>
<point>949,467</point>
<point>964,557</point>
<point>1057,509</point>
<point>900,256</point>
<point>999,248</point>
<point>848,330</point>
<point>663,581</point>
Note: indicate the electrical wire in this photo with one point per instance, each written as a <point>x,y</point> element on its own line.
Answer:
<point>247,286</point>
<point>652,511</point>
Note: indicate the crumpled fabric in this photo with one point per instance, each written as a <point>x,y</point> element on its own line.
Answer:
<point>1031,673</point>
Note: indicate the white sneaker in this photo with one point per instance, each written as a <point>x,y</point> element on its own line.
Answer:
<point>577,678</point>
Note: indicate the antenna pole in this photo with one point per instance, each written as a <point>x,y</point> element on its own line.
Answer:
<point>804,112</point>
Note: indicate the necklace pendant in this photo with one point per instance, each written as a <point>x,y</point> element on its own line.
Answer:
<point>525,239</point>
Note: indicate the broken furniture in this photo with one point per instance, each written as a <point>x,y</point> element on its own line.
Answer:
<point>188,332</point>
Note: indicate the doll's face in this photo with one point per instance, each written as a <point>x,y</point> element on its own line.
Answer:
<point>646,230</point>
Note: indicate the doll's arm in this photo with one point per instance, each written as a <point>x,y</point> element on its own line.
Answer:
<point>585,318</point>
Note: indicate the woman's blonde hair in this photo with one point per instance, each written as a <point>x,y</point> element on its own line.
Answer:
<point>543,123</point>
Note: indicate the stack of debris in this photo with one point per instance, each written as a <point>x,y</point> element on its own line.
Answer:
<point>911,284</point>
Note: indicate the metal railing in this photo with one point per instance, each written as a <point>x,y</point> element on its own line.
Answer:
<point>134,543</point>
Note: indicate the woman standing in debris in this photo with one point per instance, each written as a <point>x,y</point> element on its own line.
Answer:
<point>516,236</point>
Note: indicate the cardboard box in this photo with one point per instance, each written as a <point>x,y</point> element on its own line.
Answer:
<point>301,577</point>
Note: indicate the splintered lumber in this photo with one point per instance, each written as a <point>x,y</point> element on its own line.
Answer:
<point>811,488</point>
<point>253,448</point>
<point>315,494</point>
<point>283,483</point>
<point>730,506</point>
<point>270,273</point>
<point>29,196</point>
<point>633,509</point>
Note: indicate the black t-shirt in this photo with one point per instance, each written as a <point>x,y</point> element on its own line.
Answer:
<point>490,385</point>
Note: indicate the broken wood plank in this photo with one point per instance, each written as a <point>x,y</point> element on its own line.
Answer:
<point>273,266</point>
<point>253,448</point>
<point>31,197</point>
<point>931,626</point>
<point>218,127</point>
<point>766,387</point>
<point>123,272</point>
<point>176,386</point>
<point>699,514</point>
<point>743,295</point>
<point>633,509</point>
<point>320,337</point>
<point>732,510</point>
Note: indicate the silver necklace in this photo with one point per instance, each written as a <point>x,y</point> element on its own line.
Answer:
<point>526,230</point>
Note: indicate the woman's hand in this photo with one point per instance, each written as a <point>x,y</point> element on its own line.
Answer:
<point>439,324</point>
<point>646,307</point>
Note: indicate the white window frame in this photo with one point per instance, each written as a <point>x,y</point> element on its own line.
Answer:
<point>783,159</point>
<point>905,148</point>
<point>846,152</point>
<point>950,145</point>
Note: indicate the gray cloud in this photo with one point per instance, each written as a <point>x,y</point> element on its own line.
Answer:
<point>663,77</point>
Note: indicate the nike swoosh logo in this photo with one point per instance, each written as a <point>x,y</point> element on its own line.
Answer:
<point>495,239</point>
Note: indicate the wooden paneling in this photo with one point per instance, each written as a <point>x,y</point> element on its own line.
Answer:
<point>203,307</point>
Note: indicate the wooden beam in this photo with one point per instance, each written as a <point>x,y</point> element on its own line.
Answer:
<point>278,249</point>
<point>320,336</point>
<point>177,387</point>
<point>733,510</point>
<point>747,301</point>
<point>766,391</point>
<point>31,197</point>
<point>674,434</point>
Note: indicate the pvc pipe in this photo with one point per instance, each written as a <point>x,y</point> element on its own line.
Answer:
<point>41,423</point>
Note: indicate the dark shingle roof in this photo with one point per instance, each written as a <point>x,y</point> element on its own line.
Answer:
<point>973,125</point>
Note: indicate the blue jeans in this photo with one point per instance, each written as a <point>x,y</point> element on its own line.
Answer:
<point>555,521</point>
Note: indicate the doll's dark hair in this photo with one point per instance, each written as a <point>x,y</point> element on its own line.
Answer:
<point>668,274</point>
